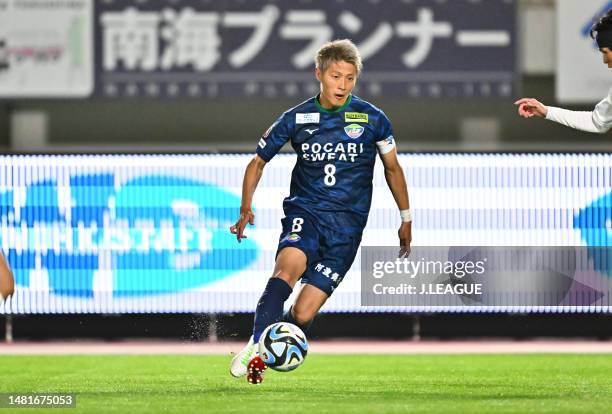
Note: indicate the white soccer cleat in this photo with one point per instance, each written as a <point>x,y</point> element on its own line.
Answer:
<point>240,362</point>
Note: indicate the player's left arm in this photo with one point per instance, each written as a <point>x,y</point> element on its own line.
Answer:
<point>394,174</point>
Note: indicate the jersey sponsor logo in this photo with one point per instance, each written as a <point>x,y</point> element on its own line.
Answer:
<point>292,238</point>
<point>355,117</point>
<point>262,143</point>
<point>327,272</point>
<point>308,118</point>
<point>341,151</point>
<point>311,130</point>
<point>354,131</point>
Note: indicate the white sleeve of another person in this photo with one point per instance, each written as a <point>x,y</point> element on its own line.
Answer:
<point>598,121</point>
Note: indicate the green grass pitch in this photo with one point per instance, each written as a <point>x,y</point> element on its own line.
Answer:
<point>324,384</point>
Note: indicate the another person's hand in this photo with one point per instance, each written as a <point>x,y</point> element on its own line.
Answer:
<point>529,107</point>
<point>246,216</point>
<point>405,235</point>
<point>7,281</point>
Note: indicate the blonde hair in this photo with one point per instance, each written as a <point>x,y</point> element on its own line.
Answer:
<point>337,51</point>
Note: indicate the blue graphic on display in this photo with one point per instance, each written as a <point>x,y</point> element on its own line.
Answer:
<point>152,235</point>
<point>595,224</point>
<point>586,28</point>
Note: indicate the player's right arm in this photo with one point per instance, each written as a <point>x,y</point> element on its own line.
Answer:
<point>270,143</point>
<point>252,174</point>
<point>598,121</point>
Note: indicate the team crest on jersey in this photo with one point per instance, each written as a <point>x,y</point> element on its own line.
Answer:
<point>354,130</point>
<point>292,237</point>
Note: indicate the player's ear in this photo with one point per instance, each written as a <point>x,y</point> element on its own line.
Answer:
<point>318,74</point>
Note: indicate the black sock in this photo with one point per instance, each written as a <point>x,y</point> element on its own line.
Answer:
<point>270,306</point>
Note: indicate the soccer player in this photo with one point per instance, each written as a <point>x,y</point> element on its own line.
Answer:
<point>600,119</point>
<point>7,283</point>
<point>336,136</point>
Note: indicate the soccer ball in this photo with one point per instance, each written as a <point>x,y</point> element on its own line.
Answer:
<point>283,346</point>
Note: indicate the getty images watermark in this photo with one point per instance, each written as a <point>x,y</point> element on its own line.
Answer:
<point>486,276</point>
<point>412,270</point>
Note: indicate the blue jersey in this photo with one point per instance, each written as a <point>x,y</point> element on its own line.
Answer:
<point>336,151</point>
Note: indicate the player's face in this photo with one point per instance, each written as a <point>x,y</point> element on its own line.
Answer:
<point>607,56</point>
<point>337,82</point>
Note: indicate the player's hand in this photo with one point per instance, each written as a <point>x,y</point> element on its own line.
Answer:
<point>529,107</point>
<point>246,216</point>
<point>405,235</point>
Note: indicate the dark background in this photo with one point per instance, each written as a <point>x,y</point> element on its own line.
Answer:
<point>390,326</point>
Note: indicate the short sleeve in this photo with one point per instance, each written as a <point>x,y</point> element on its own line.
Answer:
<point>385,142</point>
<point>274,138</point>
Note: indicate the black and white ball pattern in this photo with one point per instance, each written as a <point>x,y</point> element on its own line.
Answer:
<point>283,346</point>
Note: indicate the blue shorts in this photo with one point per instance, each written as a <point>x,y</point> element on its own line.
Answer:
<point>329,253</point>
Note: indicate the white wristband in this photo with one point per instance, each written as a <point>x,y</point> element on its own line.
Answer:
<point>406,215</point>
